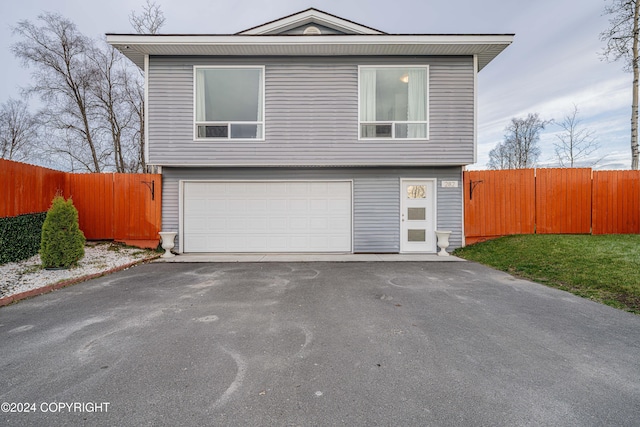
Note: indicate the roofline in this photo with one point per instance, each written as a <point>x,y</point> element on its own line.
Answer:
<point>152,39</point>
<point>487,46</point>
<point>287,20</point>
<point>309,36</point>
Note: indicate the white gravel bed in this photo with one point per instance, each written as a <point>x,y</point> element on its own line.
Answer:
<point>18,277</point>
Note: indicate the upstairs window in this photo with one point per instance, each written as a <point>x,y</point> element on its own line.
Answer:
<point>394,102</point>
<point>229,103</point>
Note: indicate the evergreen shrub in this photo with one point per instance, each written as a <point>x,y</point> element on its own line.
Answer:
<point>62,244</point>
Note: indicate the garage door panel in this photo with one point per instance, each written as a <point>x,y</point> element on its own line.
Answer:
<point>197,225</point>
<point>199,206</point>
<point>338,226</point>
<point>338,240</point>
<point>256,243</point>
<point>236,224</point>
<point>217,226</point>
<point>267,216</point>
<point>319,205</point>
<point>299,243</point>
<point>276,189</point>
<point>251,189</point>
<point>319,224</point>
<point>278,243</point>
<point>337,190</point>
<point>321,242</point>
<point>235,205</point>
<point>339,207</point>
<point>298,224</point>
<point>258,205</point>
<point>234,244</point>
<point>197,242</point>
<point>197,192</point>
<point>278,224</point>
<point>277,205</point>
<point>296,188</point>
<point>257,224</point>
<point>297,205</point>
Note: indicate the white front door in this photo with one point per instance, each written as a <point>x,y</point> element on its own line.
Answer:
<point>418,215</point>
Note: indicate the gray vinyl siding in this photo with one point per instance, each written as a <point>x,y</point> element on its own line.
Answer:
<point>311,115</point>
<point>376,198</point>
<point>376,209</point>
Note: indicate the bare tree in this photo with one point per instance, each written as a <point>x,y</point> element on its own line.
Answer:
<point>18,130</point>
<point>501,157</point>
<point>520,148</point>
<point>93,99</point>
<point>622,39</point>
<point>110,95</point>
<point>134,95</point>
<point>63,78</point>
<point>149,21</point>
<point>575,143</point>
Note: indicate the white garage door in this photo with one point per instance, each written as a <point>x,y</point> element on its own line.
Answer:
<point>267,216</point>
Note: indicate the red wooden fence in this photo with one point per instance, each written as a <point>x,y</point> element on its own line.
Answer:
<point>616,202</point>
<point>93,196</point>
<point>550,201</point>
<point>26,188</point>
<point>498,203</point>
<point>111,206</point>
<point>563,201</point>
<point>137,206</point>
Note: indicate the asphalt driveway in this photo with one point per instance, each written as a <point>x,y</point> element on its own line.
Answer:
<point>398,343</point>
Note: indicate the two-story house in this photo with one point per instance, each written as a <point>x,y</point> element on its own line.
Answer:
<point>311,133</point>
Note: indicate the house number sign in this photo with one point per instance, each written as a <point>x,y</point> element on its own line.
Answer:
<point>449,184</point>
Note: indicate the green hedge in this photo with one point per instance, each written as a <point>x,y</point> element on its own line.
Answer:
<point>20,236</point>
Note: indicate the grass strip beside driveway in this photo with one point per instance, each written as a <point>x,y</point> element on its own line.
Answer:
<point>603,268</point>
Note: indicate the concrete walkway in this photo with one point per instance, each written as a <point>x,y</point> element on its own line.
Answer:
<point>308,258</point>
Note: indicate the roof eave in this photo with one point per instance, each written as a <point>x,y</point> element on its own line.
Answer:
<point>486,46</point>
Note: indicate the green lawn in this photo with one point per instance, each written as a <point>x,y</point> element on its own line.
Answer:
<point>602,268</point>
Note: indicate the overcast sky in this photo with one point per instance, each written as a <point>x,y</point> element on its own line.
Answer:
<point>552,64</point>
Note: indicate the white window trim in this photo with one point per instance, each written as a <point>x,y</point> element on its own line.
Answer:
<point>391,122</point>
<point>228,138</point>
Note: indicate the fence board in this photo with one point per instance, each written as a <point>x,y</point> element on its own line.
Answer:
<point>27,188</point>
<point>499,203</point>
<point>140,220</point>
<point>566,201</point>
<point>616,202</point>
<point>110,206</point>
<point>93,195</point>
<point>563,201</point>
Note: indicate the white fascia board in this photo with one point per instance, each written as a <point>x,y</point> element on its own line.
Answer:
<point>242,40</point>
<point>307,165</point>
